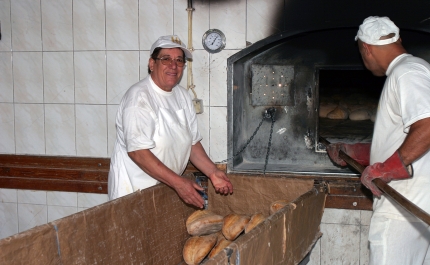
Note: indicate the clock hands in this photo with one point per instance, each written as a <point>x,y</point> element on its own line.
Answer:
<point>213,41</point>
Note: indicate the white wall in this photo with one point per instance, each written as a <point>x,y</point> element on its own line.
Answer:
<point>65,64</point>
<point>24,209</point>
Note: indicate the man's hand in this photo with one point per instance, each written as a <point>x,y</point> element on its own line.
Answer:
<point>360,152</point>
<point>221,182</point>
<point>186,190</point>
<point>392,168</point>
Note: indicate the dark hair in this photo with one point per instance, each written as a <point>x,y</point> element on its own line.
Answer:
<point>154,56</point>
<point>389,36</point>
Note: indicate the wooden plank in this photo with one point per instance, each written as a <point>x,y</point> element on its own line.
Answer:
<point>349,195</point>
<point>54,173</point>
<point>348,202</point>
<point>86,174</point>
<point>57,173</point>
<point>55,161</point>
<point>350,188</point>
<point>53,185</point>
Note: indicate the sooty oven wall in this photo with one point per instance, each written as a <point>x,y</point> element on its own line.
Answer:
<point>294,60</point>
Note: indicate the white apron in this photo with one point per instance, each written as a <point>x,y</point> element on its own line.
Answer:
<point>152,119</point>
<point>173,147</point>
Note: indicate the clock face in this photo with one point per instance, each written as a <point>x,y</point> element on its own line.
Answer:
<point>213,41</point>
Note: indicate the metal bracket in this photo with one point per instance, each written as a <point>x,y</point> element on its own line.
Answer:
<point>269,113</point>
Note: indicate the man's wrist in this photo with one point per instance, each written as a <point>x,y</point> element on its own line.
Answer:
<point>212,173</point>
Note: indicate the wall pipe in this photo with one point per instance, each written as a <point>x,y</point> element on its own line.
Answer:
<point>190,81</point>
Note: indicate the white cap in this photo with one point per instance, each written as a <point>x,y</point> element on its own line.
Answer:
<point>170,41</point>
<point>373,28</point>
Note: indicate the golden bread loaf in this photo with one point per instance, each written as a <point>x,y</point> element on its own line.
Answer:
<point>339,113</point>
<point>220,245</point>
<point>326,108</point>
<point>359,114</point>
<point>196,248</point>
<point>233,225</point>
<point>203,222</point>
<point>254,221</point>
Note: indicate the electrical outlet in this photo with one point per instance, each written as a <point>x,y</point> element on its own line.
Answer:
<point>198,105</point>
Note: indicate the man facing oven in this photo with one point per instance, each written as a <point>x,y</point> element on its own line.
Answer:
<point>398,153</point>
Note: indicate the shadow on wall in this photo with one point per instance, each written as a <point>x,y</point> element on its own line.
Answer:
<point>316,14</point>
<point>277,20</point>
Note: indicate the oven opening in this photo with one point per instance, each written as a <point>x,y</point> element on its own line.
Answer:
<point>348,99</point>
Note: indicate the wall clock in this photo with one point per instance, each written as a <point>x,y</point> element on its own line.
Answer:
<point>213,40</point>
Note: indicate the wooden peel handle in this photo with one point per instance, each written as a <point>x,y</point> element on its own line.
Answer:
<point>388,190</point>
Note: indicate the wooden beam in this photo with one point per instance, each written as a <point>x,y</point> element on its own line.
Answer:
<point>349,195</point>
<point>90,175</point>
<point>53,185</point>
<point>62,162</point>
<point>54,173</point>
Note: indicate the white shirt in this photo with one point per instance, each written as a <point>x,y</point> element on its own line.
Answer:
<point>151,118</point>
<point>404,100</point>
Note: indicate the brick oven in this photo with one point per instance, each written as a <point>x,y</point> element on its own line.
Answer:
<point>277,86</point>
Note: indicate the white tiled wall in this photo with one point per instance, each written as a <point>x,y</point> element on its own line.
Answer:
<point>344,239</point>
<point>24,209</point>
<point>65,64</point>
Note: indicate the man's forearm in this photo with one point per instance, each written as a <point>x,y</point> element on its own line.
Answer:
<point>201,161</point>
<point>152,166</point>
<point>417,143</point>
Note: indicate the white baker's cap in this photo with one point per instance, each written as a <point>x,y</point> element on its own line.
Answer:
<point>374,28</point>
<point>170,41</point>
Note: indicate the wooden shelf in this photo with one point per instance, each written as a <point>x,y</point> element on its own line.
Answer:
<point>90,175</point>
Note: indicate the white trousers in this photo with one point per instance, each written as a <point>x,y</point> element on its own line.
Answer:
<point>398,242</point>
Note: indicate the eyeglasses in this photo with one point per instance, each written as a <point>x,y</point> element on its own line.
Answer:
<point>168,61</point>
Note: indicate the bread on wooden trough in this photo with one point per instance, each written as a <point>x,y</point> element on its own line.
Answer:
<point>220,245</point>
<point>254,221</point>
<point>203,222</point>
<point>196,248</point>
<point>233,225</point>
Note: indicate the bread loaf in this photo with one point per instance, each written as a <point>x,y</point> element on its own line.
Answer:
<point>220,245</point>
<point>203,222</point>
<point>339,113</point>
<point>233,225</point>
<point>326,108</point>
<point>196,248</point>
<point>359,115</point>
<point>254,221</point>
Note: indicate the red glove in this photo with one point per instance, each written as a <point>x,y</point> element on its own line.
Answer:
<point>359,152</point>
<point>392,168</point>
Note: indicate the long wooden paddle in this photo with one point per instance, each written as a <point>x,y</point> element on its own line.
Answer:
<point>388,190</point>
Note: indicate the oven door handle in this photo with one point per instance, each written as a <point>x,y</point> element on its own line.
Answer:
<point>382,185</point>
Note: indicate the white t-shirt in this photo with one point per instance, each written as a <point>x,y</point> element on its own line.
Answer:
<point>404,100</point>
<point>151,118</point>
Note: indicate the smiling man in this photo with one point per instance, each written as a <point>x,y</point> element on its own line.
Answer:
<point>157,132</point>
